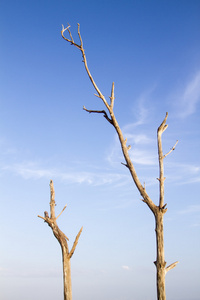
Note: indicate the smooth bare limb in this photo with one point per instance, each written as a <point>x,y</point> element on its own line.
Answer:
<point>41,217</point>
<point>52,201</point>
<point>61,212</point>
<point>70,33</point>
<point>161,129</point>
<point>52,191</point>
<point>171,266</point>
<point>75,243</point>
<point>79,34</point>
<point>112,97</point>
<point>172,149</point>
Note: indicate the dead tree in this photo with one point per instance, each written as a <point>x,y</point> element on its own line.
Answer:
<point>62,239</point>
<point>157,210</point>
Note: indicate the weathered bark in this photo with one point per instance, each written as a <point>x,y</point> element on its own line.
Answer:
<point>62,239</point>
<point>160,261</point>
<point>158,210</point>
<point>66,275</point>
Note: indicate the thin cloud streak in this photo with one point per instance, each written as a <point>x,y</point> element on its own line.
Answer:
<point>190,209</point>
<point>127,268</point>
<point>190,97</point>
<point>183,173</point>
<point>33,171</point>
<point>143,157</point>
<point>141,152</point>
<point>31,272</point>
<point>142,110</point>
<point>141,139</point>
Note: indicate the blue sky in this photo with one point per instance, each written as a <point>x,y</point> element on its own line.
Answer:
<point>151,50</point>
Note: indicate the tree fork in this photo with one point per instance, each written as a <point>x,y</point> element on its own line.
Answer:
<point>62,239</point>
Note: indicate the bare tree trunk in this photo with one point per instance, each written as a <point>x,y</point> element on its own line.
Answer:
<point>66,275</point>
<point>160,261</point>
<point>62,239</point>
<point>159,210</point>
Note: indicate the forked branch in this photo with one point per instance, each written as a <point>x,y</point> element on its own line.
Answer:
<point>63,241</point>
<point>80,47</point>
<point>51,221</point>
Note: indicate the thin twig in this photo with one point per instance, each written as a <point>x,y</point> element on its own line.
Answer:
<point>61,212</point>
<point>41,217</point>
<point>66,237</point>
<point>70,33</point>
<point>124,164</point>
<point>99,112</point>
<point>68,40</point>
<point>171,266</point>
<point>80,47</point>
<point>112,98</point>
<point>172,149</point>
<point>79,34</point>
<point>75,243</point>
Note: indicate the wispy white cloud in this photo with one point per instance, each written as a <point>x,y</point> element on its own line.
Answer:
<point>197,224</point>
<point>121,204</point>
<point>191,209</point>
<point>183,173</point>
<point>190,97</point>
<point>30,272</point>
<point>127,268</point>
<point>138,139</point>
<point>141,110</point>
<point>30,170</point>
<point>193,213</point>
<point>143,157</point>
<point>141,153</point>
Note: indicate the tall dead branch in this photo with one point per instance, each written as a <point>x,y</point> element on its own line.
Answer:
<point>157,210</point>
<point>62,239</point>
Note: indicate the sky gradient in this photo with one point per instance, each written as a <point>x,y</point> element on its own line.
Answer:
<point>151,50</point>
